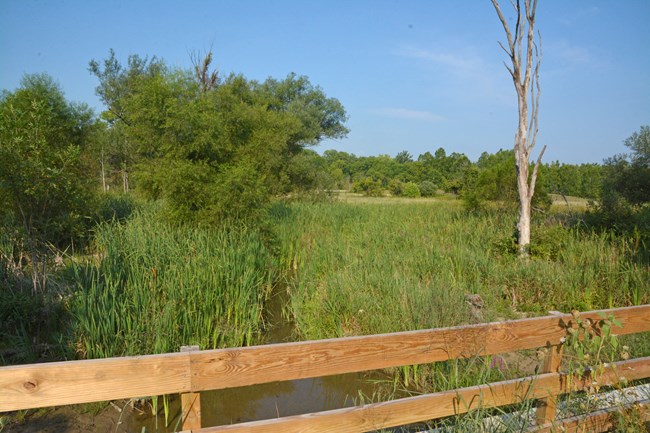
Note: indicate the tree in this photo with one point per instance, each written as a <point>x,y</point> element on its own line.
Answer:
<point>625,190</point>
<point>525,77</point>
<point>495,179</point>
<point>403,157</point>
<point>630,173</point>
<point>43,178</point>
<point>214,148</point>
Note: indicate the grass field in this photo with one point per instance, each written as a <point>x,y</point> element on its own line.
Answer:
<point>352,266</point>
<point>384,265</point>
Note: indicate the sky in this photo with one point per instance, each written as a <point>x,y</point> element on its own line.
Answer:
<point>413,75</point>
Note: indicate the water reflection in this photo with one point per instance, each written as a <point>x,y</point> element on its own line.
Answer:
<point>279,399</point>
<point>271,400</point>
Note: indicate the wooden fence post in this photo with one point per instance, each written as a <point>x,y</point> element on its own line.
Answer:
<point>545,412</point>
<point>191,403</point>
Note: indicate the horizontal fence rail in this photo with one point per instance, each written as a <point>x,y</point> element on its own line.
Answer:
<point>71,382</point>
<point>441,404</point>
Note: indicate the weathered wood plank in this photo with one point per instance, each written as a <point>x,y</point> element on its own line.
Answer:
<point>226,368</point>
<point>191,403</point>
<point>40,385</point>
<point>59,383</point>
<point>595,422</point>
<point>432,406</point>
<point>546,406</point>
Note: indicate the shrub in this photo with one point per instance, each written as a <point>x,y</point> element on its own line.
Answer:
<point>427,188</point>
<point>396,187</point>
<point>369,187</point>
<point>116,207</point>
<point>411,190</point>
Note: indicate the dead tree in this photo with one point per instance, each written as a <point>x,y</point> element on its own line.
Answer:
<point>207,80</point>
<point>526,80</point>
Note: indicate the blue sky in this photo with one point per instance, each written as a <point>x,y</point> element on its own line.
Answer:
<point>413,75</point>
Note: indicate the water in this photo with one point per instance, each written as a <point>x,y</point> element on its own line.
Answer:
<point>271,400</point>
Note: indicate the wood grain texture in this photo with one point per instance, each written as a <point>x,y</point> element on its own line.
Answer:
<point>191,410</point>
<point>226,368</point>
<point>431,406</point>
<point>59,383</point>
<point>546,406</point>
<point>595,422</point>
<point>546,411</point>
<point>41,385</point>
<point>191,403</point>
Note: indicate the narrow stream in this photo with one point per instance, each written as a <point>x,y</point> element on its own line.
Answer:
<point>272,400</point>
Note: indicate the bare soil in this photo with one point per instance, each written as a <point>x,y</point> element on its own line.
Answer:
<point>67,419</point>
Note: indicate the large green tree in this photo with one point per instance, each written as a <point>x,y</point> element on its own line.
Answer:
<point>625,192</point>
<point>213,152</point>
<point>43,177</point>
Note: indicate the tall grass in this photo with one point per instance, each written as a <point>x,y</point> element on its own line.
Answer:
<point>153,287</point>
<point>366,268</point>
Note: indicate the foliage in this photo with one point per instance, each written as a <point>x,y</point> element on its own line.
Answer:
<point>625,192</point>
<point>373,268</point>
<point>369,187</point>
<point>219,152</point>
<point>494,179</point>
<point>427,188</point>
<point>411,190</point>
<point>582,180</point>
<point>44,182</point>
<point>396,187</point>
<point>115,207</point>
<point>156,287</point>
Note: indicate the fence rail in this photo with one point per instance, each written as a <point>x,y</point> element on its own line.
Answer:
<point>71,382</point>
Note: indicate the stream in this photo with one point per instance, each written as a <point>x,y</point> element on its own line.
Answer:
<point>271,400</point>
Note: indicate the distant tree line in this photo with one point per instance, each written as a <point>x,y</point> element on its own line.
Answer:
<point>492,174</point>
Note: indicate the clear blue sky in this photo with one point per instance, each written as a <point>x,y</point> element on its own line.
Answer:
<point>413,75</point>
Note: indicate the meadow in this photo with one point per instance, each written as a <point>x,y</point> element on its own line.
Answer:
<point>392,265</point>
<point>345,266</point>
<point>377,265</point>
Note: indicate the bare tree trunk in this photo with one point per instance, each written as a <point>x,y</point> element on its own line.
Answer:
<point>526,81</point>
<point>125,178</point>
<point>104,188</point>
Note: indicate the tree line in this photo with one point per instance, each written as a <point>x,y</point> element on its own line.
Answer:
<point>439,172</point>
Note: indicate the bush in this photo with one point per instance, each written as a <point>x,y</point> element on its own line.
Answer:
<point>116,207</point>
<point>369,187</point>
<point>396,187</point>
<point>427,188</point>
<point>473,201</point>
<point>411,190</point>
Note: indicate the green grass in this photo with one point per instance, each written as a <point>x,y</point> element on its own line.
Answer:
<point>367,267</point>
<point>153,287</point>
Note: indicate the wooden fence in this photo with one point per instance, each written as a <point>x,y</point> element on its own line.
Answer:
<point>191,371</point>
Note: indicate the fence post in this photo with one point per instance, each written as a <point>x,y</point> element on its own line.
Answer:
<point>545,412</point>
<point>191,403</point>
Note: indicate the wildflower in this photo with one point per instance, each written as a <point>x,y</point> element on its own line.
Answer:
<point>499,363</point>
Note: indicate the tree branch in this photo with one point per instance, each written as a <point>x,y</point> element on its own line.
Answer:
<point>533,178</point>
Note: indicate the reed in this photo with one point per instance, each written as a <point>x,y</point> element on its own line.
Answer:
<point>386,266</point>
<point>153,287</point>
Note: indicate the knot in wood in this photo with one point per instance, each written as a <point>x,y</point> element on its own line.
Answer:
<point>29,385</point>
